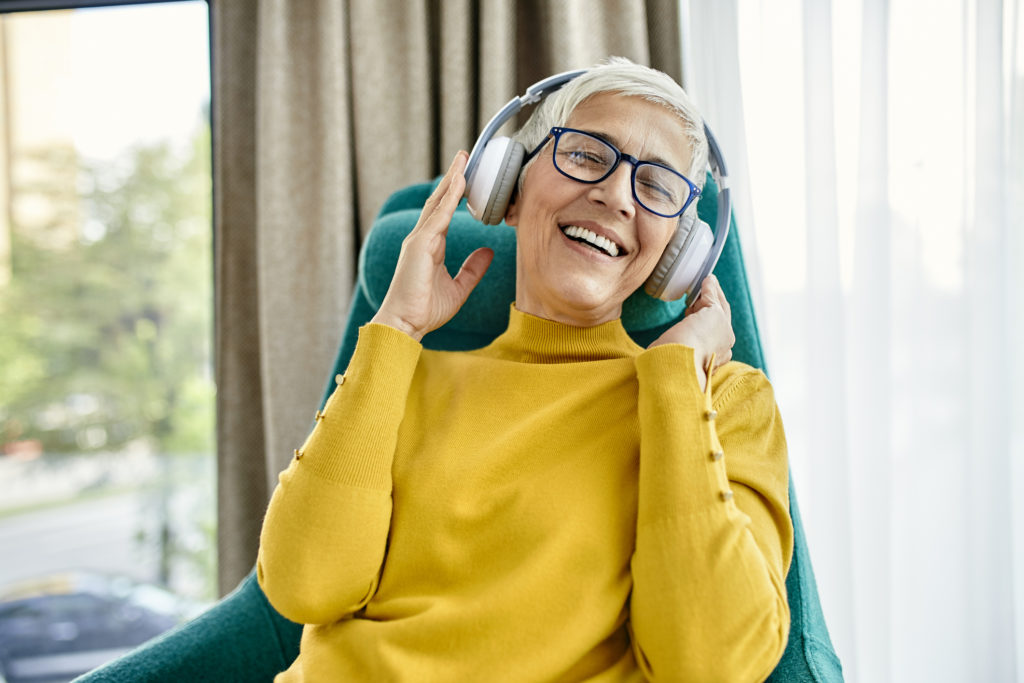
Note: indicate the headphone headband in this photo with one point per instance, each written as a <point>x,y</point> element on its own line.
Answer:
<point>498,162</point>
<point>722,221</point>
<point>534,94</point>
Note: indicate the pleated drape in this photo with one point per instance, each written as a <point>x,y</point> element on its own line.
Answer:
<point>885,159</point>
<point>321,109</point>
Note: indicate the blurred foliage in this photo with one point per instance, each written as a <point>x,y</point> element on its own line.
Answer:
<point>106,325</point>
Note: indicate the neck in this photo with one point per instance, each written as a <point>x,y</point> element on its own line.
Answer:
<point>562,312</point>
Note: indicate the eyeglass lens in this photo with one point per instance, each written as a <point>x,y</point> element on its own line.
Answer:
<point>589,159</point>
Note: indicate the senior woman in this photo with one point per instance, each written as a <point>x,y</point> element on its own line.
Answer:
<point>561,504</point>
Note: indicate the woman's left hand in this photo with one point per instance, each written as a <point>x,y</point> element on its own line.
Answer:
<point>706,328</point>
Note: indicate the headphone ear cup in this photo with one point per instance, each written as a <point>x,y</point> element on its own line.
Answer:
<point>682,261</point>
<point>494,180</point>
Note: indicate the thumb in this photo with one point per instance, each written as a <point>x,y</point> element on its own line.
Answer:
<point>472,271</point>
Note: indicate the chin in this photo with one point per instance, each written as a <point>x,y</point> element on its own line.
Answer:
<point>590,303</point>
<point>582,299</point>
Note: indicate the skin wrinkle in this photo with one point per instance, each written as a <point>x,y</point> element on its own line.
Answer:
<point>696,598</point>
<point>558,281</point>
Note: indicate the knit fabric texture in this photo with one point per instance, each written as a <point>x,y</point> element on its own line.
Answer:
<point>562,502</point>
<point>243,638</point>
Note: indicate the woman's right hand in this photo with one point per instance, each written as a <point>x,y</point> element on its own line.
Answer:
<point>423,296</point>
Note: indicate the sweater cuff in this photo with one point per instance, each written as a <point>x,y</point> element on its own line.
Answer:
<point>672,368</point>
<point>682,468</point>
<point>353,441</point>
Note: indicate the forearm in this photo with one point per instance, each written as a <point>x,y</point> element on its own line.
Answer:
<point>321,546</point>
<point>706,606</point>
<point>709,598</point>
<point>324,535</point>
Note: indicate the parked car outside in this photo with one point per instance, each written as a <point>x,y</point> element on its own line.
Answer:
<point>61,626</point>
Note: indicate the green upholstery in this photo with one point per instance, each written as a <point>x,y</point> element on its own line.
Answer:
<point>243,638</point>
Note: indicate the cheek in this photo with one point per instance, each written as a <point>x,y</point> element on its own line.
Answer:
<point>531,244</point>
<point>656,242</point>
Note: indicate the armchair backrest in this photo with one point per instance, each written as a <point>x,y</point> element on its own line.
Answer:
<point>243,638</point>
<point>485,314</point>
<point>809,655</point>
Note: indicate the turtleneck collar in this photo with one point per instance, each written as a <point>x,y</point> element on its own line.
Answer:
<point>530,339</point>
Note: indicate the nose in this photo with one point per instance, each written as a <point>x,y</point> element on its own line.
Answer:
<point>616,191</point>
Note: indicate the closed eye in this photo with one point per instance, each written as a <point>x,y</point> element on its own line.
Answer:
<point>580,157</point>
<point>656,190</point>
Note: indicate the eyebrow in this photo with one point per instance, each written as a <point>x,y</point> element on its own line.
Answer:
<point>610,139</point>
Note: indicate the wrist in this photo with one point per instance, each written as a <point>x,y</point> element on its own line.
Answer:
<point>701,357</point>
<point>672,358</point>
<point>396,322</point>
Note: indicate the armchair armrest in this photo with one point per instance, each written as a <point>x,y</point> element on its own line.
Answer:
<point>241,638</point>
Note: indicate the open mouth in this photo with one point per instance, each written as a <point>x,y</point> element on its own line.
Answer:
<point>592,239</point>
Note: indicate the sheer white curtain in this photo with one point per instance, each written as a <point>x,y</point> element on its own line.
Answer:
<point>877,147</point>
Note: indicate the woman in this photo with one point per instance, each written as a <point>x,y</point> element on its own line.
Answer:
<point>561,504</point>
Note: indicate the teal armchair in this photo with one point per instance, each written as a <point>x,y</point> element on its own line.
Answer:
<point>242,638</point>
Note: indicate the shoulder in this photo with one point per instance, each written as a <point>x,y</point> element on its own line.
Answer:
<point>737,385</point>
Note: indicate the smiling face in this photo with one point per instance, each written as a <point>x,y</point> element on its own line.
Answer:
<point>564,270</point>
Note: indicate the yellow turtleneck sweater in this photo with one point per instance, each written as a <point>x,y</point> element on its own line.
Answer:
<point>560,505</point>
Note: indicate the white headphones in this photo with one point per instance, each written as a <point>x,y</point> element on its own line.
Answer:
<point>493,169</point>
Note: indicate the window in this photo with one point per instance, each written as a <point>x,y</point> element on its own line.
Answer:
<point>107,470</point>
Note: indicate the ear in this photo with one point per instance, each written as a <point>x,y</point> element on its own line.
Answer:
<point>512,213</point>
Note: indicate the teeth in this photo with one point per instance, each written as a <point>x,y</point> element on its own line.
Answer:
<point>589,236</point>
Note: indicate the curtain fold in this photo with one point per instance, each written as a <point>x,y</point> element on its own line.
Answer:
<point>871,393</point>
<point>987,270</point>
<point>321,109</point>
<point>885,143</point>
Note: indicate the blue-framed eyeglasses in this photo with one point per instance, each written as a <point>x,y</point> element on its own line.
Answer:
<point>587,158</point>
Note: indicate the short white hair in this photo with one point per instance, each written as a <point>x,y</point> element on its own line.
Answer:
<point>622,76</point>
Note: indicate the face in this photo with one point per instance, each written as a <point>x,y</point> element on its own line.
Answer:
<point>559,276</point>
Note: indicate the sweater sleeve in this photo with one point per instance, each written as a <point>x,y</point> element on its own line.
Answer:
<point>714,536</point>
<point>325,531</point>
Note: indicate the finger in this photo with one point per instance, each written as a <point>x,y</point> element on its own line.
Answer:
<point>472,271</point>
<point>698,302</point>
<point>443,186</point>
<point>456,184</point>
<point>704,299</point>
<point>719,294</point>
<point>455,169</point>
<point>709,287</point>
<point>437,215</point>
<point>712,287</point>
<point>710,295</point>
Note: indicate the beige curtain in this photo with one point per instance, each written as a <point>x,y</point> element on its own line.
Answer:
<point>321,109</point>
